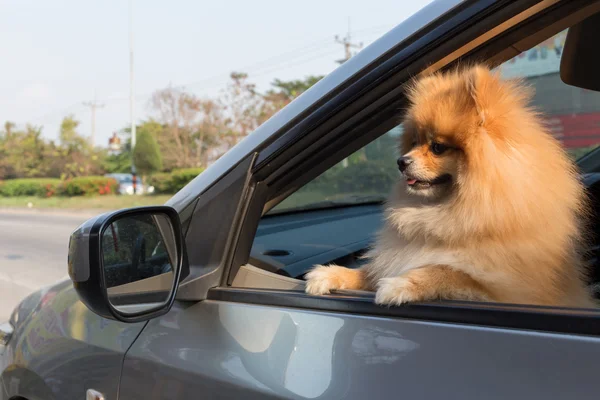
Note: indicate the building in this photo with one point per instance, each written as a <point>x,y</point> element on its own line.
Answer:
<point>573,114</point>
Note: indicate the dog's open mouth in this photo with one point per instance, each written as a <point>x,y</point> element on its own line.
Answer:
<point>418,184</point>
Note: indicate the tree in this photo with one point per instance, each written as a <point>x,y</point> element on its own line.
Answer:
<point>294,88</point>
<point>146,154</point>
<point>23,153</point>
<point>283,93</point>
<point>8,128</point>
<point>242,104</point>
<point>187,127</point>
<point>120,162</point>
<point>69,137</point>
<point>78,157</point>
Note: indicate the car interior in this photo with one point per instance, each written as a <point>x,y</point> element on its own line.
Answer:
<point>288,244</point>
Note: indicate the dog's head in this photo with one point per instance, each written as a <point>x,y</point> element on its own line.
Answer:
<point>472,146</point>
<point>443,128</point>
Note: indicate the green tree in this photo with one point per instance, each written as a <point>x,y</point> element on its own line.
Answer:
<point>120,162</point>
<point>78,157</point>
<point>294,88</point>
<point>283,93</point>
<point>69,137</point>
<point>146,153</point>
<point>23,153</point>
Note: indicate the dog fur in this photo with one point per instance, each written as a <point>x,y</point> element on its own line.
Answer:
<point>490,207</point>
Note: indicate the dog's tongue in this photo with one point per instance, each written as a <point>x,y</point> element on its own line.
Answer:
<point>411,181</point>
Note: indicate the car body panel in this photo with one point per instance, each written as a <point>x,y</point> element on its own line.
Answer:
<point>217,349</point>
<point>60,348</point>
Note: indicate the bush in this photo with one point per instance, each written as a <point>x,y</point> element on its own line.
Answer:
<point>88,186</point>
<point>161,183</point>
<point>43,187</point>
<point>170,183</point>
<point>181,177</point>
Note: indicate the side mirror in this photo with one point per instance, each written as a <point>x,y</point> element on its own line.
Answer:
<point>126,265</point>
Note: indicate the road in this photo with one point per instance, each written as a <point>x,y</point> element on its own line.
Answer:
<point>33,252</point>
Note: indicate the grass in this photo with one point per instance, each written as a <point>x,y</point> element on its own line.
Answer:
<point>83,203</point>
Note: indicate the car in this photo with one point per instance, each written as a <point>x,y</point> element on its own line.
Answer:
<point>204,297</point>
<point>125,182</point>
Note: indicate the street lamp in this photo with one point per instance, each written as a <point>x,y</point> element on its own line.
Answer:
<point>131,96</point>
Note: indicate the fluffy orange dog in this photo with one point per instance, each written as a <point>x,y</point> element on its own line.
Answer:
<point>489,207</point>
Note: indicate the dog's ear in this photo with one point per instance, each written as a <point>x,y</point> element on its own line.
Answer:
<point>479,81</point>
<point>492,95</point>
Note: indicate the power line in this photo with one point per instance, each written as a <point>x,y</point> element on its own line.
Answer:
<point>348,45</point>
<point>271,64</point>
<point>259,67</point>
<point>93,105</point>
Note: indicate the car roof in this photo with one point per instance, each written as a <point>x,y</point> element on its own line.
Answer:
<point>272,128</point>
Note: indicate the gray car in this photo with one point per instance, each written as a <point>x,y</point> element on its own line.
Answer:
<point>204,297</point>
<point>125,182</point>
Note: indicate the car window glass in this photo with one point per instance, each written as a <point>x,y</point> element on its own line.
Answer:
<point>364,177</point>
<point>572,114</point>
<point>355,187</point>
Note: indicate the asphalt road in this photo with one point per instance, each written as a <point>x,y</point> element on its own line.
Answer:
<point>33,252</point>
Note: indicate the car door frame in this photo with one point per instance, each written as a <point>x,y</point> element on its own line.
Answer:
<point>337,129</point>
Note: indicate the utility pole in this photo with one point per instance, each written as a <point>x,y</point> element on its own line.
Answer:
<point>131,97</point>
<point>93,105</point>
<point>348,45</point>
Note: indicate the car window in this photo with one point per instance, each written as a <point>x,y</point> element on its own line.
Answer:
<point>364,177</point>
<point>573,115</point>
<point>335,217</point>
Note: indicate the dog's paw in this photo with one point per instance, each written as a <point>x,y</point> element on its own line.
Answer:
<point>322,279</point>
<point>397,290</point>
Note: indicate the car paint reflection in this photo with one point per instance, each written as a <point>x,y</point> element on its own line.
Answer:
<point>59,339</point>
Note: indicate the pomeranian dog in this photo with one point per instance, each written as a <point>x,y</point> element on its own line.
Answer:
<point>489,208</point>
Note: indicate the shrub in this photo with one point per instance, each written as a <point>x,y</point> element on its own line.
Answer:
<point>88,186</point>
<point>181,177</point>
<point>42,187</point>
<point>160,182</point>
<point>170,183</point>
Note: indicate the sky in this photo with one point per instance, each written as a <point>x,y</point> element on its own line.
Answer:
<point>58,54</point>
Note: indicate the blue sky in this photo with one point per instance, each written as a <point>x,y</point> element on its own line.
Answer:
<point>58,54</point>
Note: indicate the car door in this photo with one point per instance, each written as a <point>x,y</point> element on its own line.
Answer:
<point>226,339</point>
<point>61,349</point>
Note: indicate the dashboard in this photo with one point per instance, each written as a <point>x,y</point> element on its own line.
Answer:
<point>291,244</point>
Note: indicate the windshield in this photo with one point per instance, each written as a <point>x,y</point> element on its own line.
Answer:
<point>365,177</point>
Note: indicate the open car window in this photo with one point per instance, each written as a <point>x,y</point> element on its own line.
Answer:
<point>364,177</point>
<point>573,115</point>
<point>335,217</point>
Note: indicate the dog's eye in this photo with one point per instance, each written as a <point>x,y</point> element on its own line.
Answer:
<point>438,148</point>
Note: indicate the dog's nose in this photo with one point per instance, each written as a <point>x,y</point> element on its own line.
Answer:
<point>404,162</point>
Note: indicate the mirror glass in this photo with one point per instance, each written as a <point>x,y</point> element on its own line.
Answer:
<point>139,255</point>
